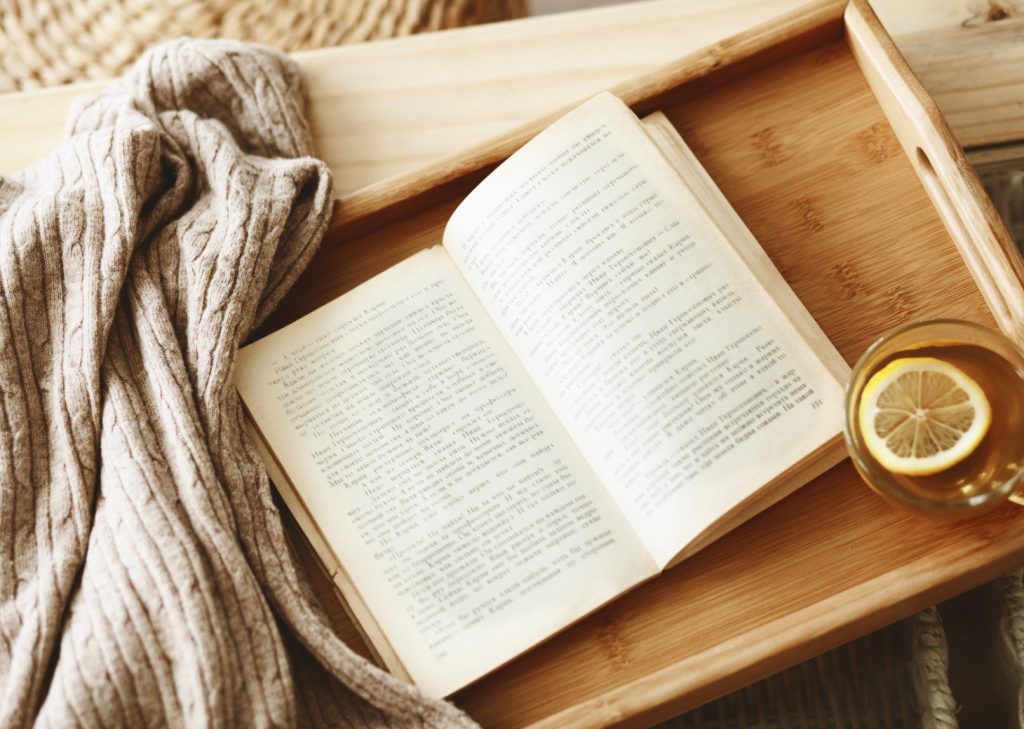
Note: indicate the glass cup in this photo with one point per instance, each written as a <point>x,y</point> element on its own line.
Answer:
<point>994,470</point>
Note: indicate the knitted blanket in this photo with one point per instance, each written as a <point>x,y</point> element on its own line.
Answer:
<point>145,579</point>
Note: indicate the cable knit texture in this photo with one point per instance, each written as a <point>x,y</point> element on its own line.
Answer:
<point>145,578</point>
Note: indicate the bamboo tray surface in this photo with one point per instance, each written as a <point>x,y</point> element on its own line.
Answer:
<point>787,125</point>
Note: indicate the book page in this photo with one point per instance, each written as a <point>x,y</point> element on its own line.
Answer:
<point>672,368</point>
<point>463,513</point>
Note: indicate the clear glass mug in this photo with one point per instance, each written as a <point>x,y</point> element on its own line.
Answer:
<point>994,470</point>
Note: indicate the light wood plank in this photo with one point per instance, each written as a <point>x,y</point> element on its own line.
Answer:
<point>969,54</point>
<point>389,107</point>
<point>905,17</point>
<point>983,99</point>
<point>386,107</point>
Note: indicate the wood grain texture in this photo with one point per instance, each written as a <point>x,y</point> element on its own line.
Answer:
<point>739,54</point>
<point>969,54</point>
<point>906,17</point>
<point>389,107</point>
<point>804,151</point>
<point>976,75</point>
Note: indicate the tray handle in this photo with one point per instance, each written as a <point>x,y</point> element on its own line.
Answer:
<point>948,178</point>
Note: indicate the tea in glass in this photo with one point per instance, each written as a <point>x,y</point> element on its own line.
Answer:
<point>935,417</point>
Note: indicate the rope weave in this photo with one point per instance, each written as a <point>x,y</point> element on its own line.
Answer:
<point>1006,188</point>
<point>865,684</point>
<point>52,42</point>
<point>1012,628</point>
<point>931,672</point>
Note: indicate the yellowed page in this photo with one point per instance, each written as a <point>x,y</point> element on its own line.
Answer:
<point>676,373</point>
<point>464,515</point>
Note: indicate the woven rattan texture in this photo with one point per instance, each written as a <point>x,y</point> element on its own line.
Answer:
<point>51,42</point>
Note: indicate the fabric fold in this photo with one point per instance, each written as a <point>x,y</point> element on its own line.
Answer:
<point>145,578</point>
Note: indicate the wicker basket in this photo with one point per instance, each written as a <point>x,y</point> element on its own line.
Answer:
<point>1006,188</point>
<point>894,678</point>
<point>51,42</point>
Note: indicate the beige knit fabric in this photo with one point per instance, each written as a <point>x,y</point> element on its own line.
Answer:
<point>145,579</point>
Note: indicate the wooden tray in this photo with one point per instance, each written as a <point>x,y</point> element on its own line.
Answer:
<point>842,167</point>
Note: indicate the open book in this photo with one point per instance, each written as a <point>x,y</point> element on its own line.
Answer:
<point>597,373</point>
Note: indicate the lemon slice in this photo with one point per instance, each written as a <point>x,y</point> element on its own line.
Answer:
<point>920,415</point>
